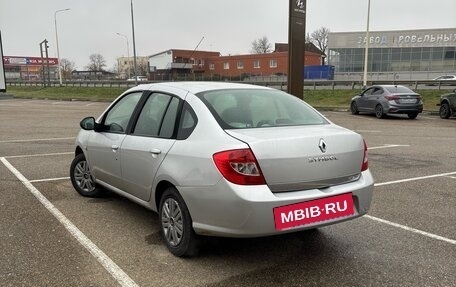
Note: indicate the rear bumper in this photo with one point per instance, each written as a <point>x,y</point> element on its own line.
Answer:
<point>233,210</point>
<point>393,109</point>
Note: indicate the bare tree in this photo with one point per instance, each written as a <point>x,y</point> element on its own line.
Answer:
<point>308,39</point>
<point>97,62</point>
<point>67,67</point>
<point>320,38</point>
<point>261,46</point>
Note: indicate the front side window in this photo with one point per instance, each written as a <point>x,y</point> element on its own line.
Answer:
<point>252,108</point>
<point>119,115</point>
<point>369,91</point>
<point>226,65</point>
<point>256,64</point>
<point>240,65</point>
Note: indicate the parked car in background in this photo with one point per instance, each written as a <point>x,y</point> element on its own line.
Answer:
<point>387,99</point>
<point>139,79</point>
<point>447,105</point>
<point>223,159</point>
<point>446,78</point>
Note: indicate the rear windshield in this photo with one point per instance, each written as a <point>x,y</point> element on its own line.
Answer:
<point>251,108</point>
<point>399,89</point>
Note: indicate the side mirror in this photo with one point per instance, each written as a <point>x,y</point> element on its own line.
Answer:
<point>88,123</point>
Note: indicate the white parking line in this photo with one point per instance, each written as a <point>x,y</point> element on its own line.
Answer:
<point>414,178</point>
<point>49,179</point>
<point>122,278</point>
<point>453,177</point>
<point>39,154</point>
<point>430,235</point>
<point>36,140</point>
<point>388,146</point>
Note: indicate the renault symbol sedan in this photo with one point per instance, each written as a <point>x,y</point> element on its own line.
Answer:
<point>387,99</point>
<point>223,159</point>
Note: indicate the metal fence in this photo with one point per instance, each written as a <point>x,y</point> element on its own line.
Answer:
<point>278,82</point>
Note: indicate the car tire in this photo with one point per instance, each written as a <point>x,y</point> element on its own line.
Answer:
<point>176,225</point>
<point>81,177</point>
<point>354,108</point>
<point>379,111</point>
<point>444,110</point>
<point>412,116</point>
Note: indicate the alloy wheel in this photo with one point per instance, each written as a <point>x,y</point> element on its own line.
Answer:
<point>379,111</point>
<point>82,176</point>
<point>172,222</point>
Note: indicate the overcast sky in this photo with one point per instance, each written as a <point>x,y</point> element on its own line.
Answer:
<point>227,26</point>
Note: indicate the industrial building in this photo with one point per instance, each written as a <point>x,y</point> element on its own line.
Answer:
<point>179,62</point>
<point>403,55</point>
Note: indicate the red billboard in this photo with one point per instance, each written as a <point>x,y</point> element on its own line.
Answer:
<point>24,61</point>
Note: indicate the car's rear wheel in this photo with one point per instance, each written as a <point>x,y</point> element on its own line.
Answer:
<point>176,225</point>
<point>379,112</point>
<point>354,108</point>
<point>82,178</point>
<point>412,115</point>
<point>444,110</point>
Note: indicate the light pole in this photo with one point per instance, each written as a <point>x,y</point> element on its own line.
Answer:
<point>134,45</point>
<point>366,50</point>
<point>57,42</point>
<point>128,52</point>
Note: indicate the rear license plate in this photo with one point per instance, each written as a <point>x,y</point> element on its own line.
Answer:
<point>408,101</point>
<point>313,211</point>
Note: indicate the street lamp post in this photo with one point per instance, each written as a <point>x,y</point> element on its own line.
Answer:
<point>128,52</point>
<point>366,50</point>
<point>134,45</point>
<point>57,42</point>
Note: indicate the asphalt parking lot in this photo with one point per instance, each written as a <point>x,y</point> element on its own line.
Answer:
<point>51,236</point>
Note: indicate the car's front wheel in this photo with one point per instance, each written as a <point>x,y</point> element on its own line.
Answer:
<point>354,108</point>
<point>82,178</point>
<point>176,225</point>
<point>444,110</point>
<point>379,112</point>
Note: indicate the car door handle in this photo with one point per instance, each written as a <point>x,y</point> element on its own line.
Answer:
<point>114,148</point>
<point>155,152</point>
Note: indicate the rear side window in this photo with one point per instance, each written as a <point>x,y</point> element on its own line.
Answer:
<point>251,108</point>
<point>158,116</point>
<point>187,123</point>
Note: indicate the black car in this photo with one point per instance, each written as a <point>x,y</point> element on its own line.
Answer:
<point>447,105</point>
<point>387,99</point>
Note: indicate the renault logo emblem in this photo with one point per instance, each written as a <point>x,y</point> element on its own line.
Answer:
<point>322,145</point>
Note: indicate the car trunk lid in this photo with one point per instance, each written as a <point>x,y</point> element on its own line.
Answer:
<point>304,157</point>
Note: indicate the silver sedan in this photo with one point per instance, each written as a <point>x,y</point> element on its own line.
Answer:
<point>222,159</point>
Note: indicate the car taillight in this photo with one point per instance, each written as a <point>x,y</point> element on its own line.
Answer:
<point>392,98</point>
<point>365,164</point>
<point>239,166</point>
